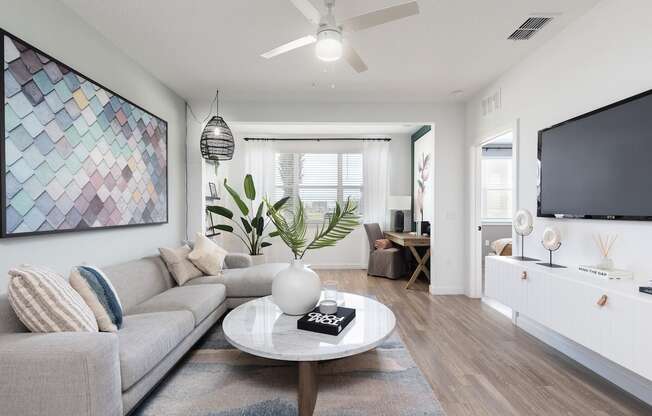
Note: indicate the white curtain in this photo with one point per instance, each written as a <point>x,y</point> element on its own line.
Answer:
<point>375,159</point>
<point>259,162</point>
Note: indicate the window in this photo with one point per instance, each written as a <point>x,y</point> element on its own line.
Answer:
<point>319,179</point>
<point>497,189</point>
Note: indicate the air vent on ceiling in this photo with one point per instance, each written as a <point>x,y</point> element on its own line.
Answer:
<point>529,28</point>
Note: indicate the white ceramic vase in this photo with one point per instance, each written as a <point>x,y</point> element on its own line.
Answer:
<point>258,259</point>
<point>296,290</point>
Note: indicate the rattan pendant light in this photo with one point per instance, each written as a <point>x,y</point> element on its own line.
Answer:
<point>217,139</point>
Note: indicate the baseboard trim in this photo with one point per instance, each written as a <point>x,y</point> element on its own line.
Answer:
<point>446,290</point>
<point>338,266</point>
<point>505,310</point>
<point>627,380</point>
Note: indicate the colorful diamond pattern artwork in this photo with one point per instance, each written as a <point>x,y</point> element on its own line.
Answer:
<point>76,155</point>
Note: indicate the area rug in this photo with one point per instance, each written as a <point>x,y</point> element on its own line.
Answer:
<point>215,379</point>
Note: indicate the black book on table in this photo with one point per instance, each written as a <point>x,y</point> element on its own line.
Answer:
<point>330,324</point>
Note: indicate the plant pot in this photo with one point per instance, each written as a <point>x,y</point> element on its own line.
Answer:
<point>258,259</point>
<point>296,289</point>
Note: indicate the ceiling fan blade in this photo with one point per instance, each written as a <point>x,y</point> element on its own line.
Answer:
<point>354,59</point>
<point>380,17</point>
<point>295,44</point>
<point>307,9</point>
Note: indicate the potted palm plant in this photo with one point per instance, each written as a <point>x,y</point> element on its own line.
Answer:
<point>251,226</point>
<point>296,290</point>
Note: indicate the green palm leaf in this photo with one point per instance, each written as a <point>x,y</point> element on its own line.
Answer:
<point>219,210</point>
<point>293,230</point>
<point>236,198</point>
<point>223,227</point>
<point>246,224</point>
<point>249,188</point>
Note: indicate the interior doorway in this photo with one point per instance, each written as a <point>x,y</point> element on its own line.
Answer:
<point>494,180</point>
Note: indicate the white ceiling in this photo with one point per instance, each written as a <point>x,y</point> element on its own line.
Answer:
<point>323,129</point>
<point>197,46</point>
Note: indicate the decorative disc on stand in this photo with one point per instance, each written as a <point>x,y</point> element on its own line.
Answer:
<point>523,225</point>
<point>551,241</point>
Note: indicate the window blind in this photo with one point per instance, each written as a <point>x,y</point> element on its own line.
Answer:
<point>496,188</point>
<point>319,179</point>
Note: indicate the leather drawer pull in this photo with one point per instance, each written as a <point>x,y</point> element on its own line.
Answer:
<point>603,300</point>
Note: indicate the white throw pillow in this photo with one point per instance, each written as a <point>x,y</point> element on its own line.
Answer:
<point>45,302</point>
<point>178,264</point>
<point>207,256</point>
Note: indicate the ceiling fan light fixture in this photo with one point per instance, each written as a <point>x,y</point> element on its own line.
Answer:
<point>329,45</point>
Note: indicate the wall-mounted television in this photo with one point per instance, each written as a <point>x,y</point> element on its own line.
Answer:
<point>599,165</point>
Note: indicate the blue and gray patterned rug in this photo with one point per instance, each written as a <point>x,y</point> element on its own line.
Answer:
<point>215,379</point>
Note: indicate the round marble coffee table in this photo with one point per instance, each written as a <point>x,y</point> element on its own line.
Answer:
<point>259,327</point>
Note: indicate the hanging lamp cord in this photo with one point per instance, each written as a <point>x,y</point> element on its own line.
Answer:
<point>202,122</point>
<point>210,110</point>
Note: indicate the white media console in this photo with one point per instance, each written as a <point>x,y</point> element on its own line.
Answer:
<point>607,317</point>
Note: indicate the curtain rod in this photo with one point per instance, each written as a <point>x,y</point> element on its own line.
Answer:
<point>317,139</point>
<point>489,147</point>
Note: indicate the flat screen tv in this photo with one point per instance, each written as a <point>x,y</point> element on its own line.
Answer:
<point>599,165</point>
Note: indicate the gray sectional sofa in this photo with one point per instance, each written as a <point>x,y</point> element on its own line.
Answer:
<point>75,373</point>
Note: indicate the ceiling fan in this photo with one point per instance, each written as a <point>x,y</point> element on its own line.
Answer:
<point>331,44</point>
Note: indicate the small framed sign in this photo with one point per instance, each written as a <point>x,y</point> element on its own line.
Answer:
<point>213,189</point>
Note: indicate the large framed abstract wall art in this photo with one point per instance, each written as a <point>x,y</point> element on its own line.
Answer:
<point>73,154</point>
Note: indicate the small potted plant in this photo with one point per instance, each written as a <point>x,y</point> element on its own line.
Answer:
<point>252,225</point>
<point>296,290</point>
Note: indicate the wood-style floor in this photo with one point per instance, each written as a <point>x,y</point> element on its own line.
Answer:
<point>479,363</point>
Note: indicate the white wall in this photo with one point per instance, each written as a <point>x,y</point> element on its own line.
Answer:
<point>448,239</point>
<point>52,27</point>
<point>604,56</point>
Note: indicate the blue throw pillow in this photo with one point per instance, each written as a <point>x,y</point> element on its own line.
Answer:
<point>98,292</point>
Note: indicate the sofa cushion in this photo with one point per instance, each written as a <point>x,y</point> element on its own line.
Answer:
<point>201,300</point>
<point>146,339</point>
<point>237,261</point>
<point>9,321</point>
<point>138,280</point>
<point>251,281</point>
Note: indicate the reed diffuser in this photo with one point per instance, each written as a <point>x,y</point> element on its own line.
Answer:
<point>605,244</point>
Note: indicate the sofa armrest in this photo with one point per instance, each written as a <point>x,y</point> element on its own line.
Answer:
<point>67,373</point>
<point>237,261</point>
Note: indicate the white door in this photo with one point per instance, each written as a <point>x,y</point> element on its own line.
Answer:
<point>492,279</point>
<point>590,318</point>
<point>563,305</point>
<point>513,286</point>
<point>536,303</point>
<point>618,333</point>
<point>643,338</point>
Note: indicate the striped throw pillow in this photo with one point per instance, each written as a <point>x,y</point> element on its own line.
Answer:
<point>100,296</point>
<point>45,302</point>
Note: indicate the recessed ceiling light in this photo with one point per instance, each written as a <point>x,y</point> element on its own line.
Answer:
<point>332,86</point>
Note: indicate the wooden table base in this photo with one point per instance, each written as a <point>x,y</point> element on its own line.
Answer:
<point>308,385</point>
<point>421,265</point>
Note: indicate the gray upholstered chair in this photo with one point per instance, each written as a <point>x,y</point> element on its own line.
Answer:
<point>387,262</point>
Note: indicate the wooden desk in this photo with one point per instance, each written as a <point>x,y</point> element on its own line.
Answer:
<point>411,241</point>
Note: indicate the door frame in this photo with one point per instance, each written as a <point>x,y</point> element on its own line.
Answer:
<point>475,207</point>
